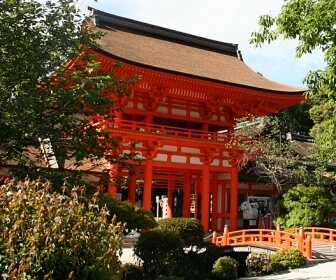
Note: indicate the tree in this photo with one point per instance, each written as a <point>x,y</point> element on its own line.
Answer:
<point>48,235</point>
<point>53,90</point>
<point>295,119</point>
<point>307,206</point>
<point>134,217</point>
<point>53,94</point>
<point>324,131</point>
<point>312,24</point>
<point>269,154</point>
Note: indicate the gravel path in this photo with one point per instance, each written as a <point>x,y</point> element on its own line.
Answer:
<point>313,271</point>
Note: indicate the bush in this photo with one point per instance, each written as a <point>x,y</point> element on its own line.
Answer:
<point>132,272</point>
<point>134,216</point>
<point>258,264</point>
<point>307,206</point>
<point>198,262</point>
<point>190,230</point>
<point>47,235</point>
<point>170,278</point>
<point>161,252</point>
<point>225,268</point>
<point>287,259</point>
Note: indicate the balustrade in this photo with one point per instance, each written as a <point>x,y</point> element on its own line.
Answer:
<point>140,127</point>
<point>278,239</point>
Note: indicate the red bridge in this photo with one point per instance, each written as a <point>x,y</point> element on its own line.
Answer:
<point>313,242</point>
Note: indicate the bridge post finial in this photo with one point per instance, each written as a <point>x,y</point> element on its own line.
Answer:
<point>214,237</point>
<point>225,236</point>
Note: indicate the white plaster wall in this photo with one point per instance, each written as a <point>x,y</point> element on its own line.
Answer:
<point>223,176</point>
<point>195,115</point>
<point>162,109</point>
<point>179,112</point>
<point>179,159</point>
<point>195,160</point>
<point>168,148</point>
<point>190,150</point>
<point>215,162</point>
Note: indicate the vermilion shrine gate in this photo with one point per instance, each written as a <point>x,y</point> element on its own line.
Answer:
<point>182,114</point>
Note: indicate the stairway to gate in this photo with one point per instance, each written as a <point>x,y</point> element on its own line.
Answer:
<point>313,242</point>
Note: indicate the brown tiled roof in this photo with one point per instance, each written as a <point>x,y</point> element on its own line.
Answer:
<point>169,50</point>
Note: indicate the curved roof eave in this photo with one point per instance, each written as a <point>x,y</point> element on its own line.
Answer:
<point>299,91</point>
<point>145,48</point>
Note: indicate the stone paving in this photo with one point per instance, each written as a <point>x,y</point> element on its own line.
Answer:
<point>324,251</point>
<point>312,271</point>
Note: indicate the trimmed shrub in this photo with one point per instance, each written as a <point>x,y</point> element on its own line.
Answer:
<point>258,264</point>
<point>225,268</point>
<point>132,272</point>
<point>198,262</point>
<point>47,235</point>
<point>170,278</point>
<point>161,252</point>
<point>287,259</point>
<point>190,230</point>
<point>133,216</point>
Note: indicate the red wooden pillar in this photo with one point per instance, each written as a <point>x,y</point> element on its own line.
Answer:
<point>214,213</point>
<point>205,196</point>
<point>117,119</point>
<point>149,122</point>
<point>170,196</point>
<point>186,194</point>
<point>148,177</point>
<point>112,188</point>
<point>233,198</point>
<point>132,189</point>
<point>197,192</point>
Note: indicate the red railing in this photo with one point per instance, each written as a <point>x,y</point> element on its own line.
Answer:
<point>140,127</point>
<point>266,238</point>
<point>325,235</point>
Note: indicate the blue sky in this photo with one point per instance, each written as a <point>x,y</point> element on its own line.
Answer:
<point>230,21</point>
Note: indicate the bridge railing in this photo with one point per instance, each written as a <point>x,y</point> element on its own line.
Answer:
<point>266,237</point>
<point>325,235</point>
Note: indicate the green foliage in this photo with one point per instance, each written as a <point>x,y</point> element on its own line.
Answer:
<point>225,268</point>
<point>325,152</point>
<point>312,24</point>
<point>164,251</point>
<point>269,154</point>
<point>57,178</point>
<point>287,259</point>
<point>198,261</point>
<point>295,119</point>
<point>161,252</point>
<point>133,216</point>
<point>48,101</point>
<point>258,263</point>
<point>323,114</point>
<point>47,235</point>
<point>170,278</point>
<point>322,111</point>
<point>190,230</point>
<point>132,272</point>
<point>307,206</point>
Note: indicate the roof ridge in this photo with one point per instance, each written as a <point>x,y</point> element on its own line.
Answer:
<point>103,19</point>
